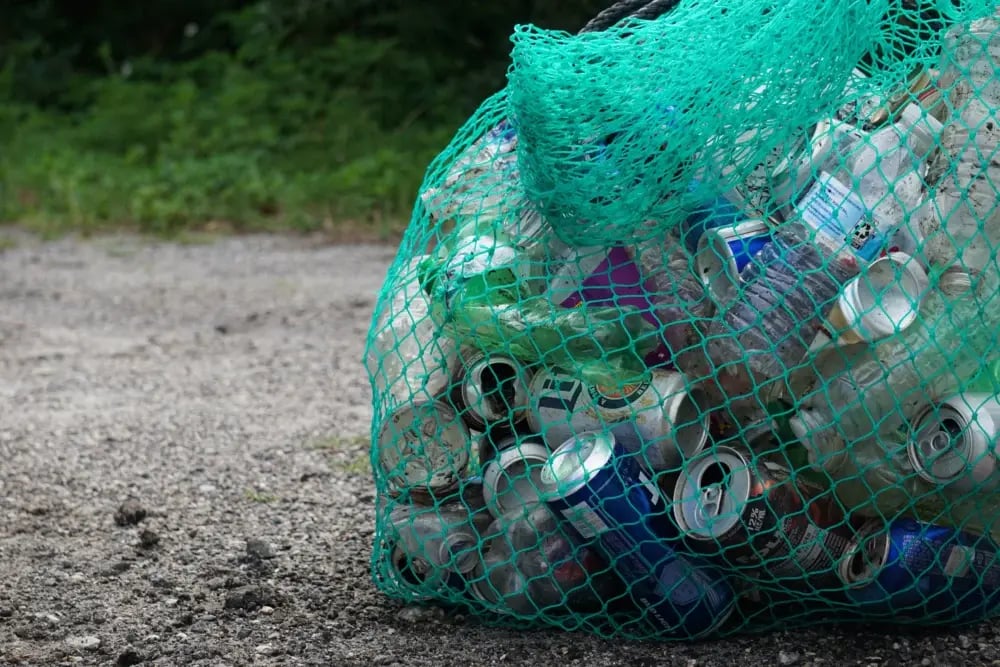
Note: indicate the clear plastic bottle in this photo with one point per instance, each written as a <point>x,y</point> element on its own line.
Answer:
<point>409,357</point>
<point>869,184</point>
<point>765,333</point>
<point>961,221</point>
<point>680,304</point>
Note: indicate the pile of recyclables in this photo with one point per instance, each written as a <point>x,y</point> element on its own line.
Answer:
<point>688,342</point>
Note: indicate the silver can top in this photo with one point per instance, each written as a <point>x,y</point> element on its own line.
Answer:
<point>424,446</point>
<point>866,555</point>
<point>571,465</point>
<point>710,495</point>
<point>952,441</point>
<point>514,478</point>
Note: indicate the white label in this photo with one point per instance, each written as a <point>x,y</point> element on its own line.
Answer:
<point>654,490</point>
<point>586,521</point>
<point>959,561</point>
<point>832,209</point>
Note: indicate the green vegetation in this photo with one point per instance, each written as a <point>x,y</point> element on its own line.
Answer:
<point>213,115</point>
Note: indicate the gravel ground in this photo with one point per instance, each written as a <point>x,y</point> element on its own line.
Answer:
<point>184,476</point>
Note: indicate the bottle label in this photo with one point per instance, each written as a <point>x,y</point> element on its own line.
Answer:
<point>832,209</point>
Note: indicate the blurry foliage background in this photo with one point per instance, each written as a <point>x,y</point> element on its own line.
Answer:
<point>169,115</point>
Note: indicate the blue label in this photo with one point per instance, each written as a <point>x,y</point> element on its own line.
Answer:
<point>832,209</point>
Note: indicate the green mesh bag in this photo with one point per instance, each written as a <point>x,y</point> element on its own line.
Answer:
<point>694,331</point>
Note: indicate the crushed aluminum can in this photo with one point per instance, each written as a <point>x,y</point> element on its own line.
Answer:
<point>909,570</point>
<point>423,449</point>
<point>491,388</point>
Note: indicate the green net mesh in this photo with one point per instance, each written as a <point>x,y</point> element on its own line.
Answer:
<point>694,328</point>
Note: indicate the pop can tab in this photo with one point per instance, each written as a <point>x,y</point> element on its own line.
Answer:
<point>601,491</point>
<point>909,570</point>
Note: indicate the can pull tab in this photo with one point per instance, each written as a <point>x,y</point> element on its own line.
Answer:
<point>711,501</point>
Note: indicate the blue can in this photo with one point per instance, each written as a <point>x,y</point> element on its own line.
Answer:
<point>709,215</point>
<point>723,253</point>
<point>913,571</point>
<point>593,482</point>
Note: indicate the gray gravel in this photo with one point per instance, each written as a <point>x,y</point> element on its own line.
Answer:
<point>184,476</point>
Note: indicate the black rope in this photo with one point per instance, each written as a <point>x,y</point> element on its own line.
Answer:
<point>640,9</point>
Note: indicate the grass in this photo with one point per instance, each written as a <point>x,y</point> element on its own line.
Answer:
<point>341,452</point>
<point>217,146</point>
<point>260,497</point>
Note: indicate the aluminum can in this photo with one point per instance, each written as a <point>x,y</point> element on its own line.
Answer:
<point>723,253</point>
<point>423,449</point>
<point>919,572</point>
<point>748,512</point>
<point>491,388</point>
<point>884,300</point>
<point>660,417</point>
<point>711,215</point>
<point>604,495</point>
<point>433,549</point>
<point>953,443</point>
<point>512,479</point>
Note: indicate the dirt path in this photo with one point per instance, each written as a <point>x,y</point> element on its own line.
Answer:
<point>220,387</point>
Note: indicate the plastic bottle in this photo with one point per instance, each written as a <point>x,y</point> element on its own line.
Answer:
<point>765,333</point>
<point>961,222</point>
<point>480,295</point>
<point>409,357</point>
<point>680,304</point>
<point>869,184</point>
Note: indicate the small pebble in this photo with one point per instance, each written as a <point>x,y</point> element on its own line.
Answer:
<point>84,642</point>
<point>148,539</point>
<point>257,548</point>
<point>787,658</point>
<point>129,657</point>
<point>416,615</point>
<point>267,610</point>
<point>266,649</point>
<point>130,513</point>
